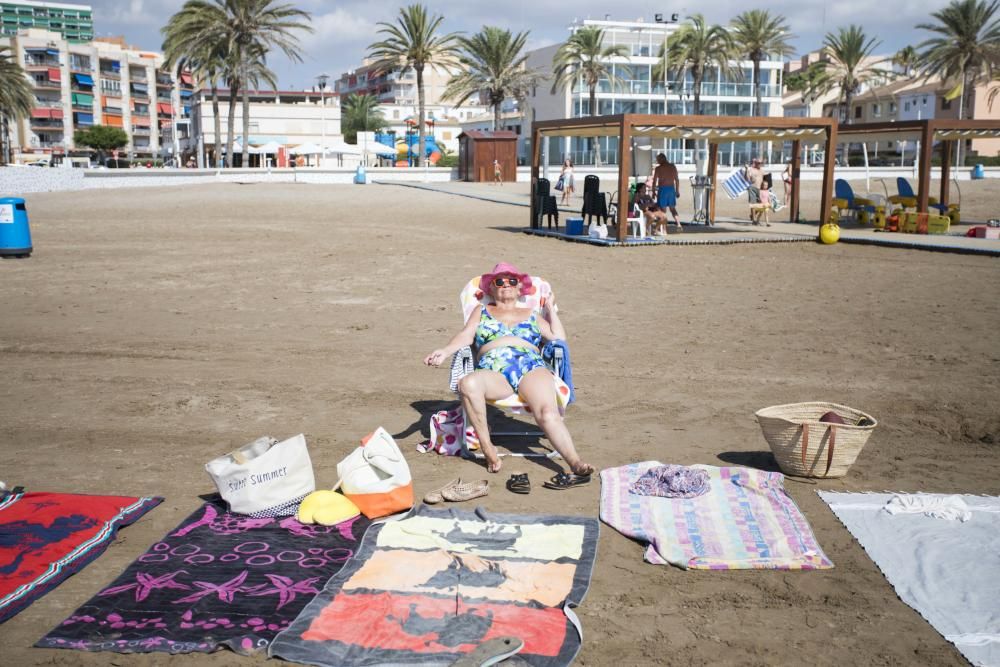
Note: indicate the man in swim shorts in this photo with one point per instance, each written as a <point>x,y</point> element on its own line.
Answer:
<point>667,187</point>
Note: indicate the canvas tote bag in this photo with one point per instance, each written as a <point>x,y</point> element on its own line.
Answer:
<point>265,478</point>
<point>376,477</point>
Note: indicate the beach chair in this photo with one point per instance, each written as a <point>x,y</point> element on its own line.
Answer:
<point>905,198</point>
<point>636,222</point>
<point>846,203</point>
<point>545,204</point>
<point>472,299</point>
<point>595,202</point>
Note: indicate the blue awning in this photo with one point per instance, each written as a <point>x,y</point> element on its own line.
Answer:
<point>186,93</point>
<point>187,111</point>
<point>116,66</point>
<point>84,118</point>
<point>52,52</point>
<point>83,79</point>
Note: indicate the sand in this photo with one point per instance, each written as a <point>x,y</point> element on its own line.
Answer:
<point>155,329</point>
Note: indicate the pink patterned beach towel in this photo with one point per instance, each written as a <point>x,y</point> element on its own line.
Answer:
<point>746,521</point>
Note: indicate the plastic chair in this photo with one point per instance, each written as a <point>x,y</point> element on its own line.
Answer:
<point>907,199</point>
<point>472,299</point>
<point>595,202</point>
<point>845,201</point>
<point>545,204</point>
<point>637,222</point>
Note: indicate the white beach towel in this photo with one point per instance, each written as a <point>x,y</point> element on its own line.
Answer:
<point>934,506</point>
<point>948,571</point>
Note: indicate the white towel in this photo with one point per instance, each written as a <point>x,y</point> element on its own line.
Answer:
<point>934,506</point>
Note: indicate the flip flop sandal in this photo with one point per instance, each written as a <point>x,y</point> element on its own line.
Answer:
<point>490,653</point>
<point>566,480</point>
<point>518,483</point>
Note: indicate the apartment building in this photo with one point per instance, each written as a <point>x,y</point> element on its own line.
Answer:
<point>103,82</point>
<point>393,87</point>
<point>73,23</point>
<point>721,94</point>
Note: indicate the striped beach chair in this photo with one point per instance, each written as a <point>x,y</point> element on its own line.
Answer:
<point>736,184</point>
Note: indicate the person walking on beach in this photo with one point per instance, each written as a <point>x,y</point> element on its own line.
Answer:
<point>566,178</point>
<point>667,186</point>
<point>497,173</point>
<point>755,175</point>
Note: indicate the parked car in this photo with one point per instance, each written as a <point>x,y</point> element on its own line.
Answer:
<point>39,163</point>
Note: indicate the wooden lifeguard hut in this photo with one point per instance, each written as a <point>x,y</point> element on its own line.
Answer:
<point>477,149</point>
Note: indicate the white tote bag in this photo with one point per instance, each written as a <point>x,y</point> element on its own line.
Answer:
<point>376,477</point>
<point>265,478</point>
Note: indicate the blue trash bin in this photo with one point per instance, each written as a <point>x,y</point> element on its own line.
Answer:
<point>574,226</point>
<point>15,237</point>
<point>360,177</point>
<point>978,172</point>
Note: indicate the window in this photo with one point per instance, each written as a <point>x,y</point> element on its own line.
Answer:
<point>857,111</point>
<point>924,102</point>
<point>945,103</point>
<point>876,110</point>
<point>906,105</point>
<point>892,107</point>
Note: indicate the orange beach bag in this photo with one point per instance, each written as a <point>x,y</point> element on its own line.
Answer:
<point>376,477</point>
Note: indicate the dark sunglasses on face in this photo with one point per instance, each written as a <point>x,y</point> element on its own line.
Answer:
<point>511,281</point>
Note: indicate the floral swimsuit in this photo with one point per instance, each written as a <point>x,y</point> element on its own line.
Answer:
<point>511,361</point>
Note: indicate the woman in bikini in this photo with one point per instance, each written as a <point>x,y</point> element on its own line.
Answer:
<point>508,340</point>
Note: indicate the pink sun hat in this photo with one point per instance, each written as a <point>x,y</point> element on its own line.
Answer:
<point>505,269</point>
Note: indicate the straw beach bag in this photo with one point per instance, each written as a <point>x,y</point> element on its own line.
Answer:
<point>807,447</point>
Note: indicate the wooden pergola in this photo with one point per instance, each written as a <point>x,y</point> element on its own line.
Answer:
<point>946,132</point>
<point>715,129</point>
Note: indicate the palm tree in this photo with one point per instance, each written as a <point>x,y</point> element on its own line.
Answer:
<point>414,43</point>
<point>695,47</point>
<point>493,64</point>
<point>584,55</point>
<point>849,67</point>
<point>907,60</point>
<point>16,98</point>
<point>756,34</point>
<point>185,48</point>
<point>254,28</point>
<point>967,46</point>
<point>360,113</point>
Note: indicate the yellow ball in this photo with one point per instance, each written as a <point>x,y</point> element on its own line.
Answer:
<point>326,508</point>
<point>829,233</point>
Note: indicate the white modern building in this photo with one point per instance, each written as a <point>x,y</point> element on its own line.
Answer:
<point>393,87</point>
<point>721,95</point>
<point>103,82</point>
<point>286,118</point>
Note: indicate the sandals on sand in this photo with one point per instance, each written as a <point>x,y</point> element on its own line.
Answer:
<point>566,480</point>
<point>518,483</point>
<point>463,491</point>
<point>490,652</point>
<point>436,496</point>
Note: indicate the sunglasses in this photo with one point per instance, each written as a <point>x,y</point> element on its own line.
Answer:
<point>510,281</point>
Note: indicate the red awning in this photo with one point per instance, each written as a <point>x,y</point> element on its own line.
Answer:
<point>55,74</point>
<point>186,78</point>
<point>41,113</point>
<point>57,113</point>
<point>163,107</point>
<point>164,123</point>
<point>140,121</point>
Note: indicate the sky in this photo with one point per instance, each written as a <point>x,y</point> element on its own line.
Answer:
<point>344,29</point>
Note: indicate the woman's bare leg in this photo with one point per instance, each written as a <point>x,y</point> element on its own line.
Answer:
<point>475,389</point>
<point>538,391</point>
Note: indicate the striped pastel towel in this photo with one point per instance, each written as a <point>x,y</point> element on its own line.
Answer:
<point>746,521</point>
<point>736,184</point>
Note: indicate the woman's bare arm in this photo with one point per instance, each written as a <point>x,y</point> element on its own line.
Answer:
<point>463,338</point>
<point>550,326</point>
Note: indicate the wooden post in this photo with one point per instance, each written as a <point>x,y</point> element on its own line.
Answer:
<point>826,204</point>
<point>535,150</point>
<point>945,171</point>
<point>793,197</point>
<point>924,175</point>
<point>713,168</point>
<point>624,168</point>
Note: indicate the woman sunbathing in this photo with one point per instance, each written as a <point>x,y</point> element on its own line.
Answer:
<point>507,341</point>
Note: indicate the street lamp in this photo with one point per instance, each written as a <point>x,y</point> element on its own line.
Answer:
<point>322,79</point>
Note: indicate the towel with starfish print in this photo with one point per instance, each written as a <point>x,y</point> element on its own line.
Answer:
<point>218,579</point>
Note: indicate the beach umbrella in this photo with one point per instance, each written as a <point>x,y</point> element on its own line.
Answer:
<point>341,148</point>
<point>269,148</point>
<point>307,149</point>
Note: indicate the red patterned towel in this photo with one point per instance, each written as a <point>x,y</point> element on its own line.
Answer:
<point>46,537</point>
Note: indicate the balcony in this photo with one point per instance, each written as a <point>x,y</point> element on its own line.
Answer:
<point>48,84</point>
<point>46,125</point>
<point>140,131</point>
<point>112,110</point>
<point>110,74</point>
<point>39,63</point>
<point>83,108</point>
<point>162,80</point>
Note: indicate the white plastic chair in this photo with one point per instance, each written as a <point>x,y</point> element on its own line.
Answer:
<point>637,223</point>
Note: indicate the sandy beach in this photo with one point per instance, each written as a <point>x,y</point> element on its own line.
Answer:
<point>154,329</point>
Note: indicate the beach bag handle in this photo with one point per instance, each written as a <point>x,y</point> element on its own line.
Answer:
<point>829,450</point>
